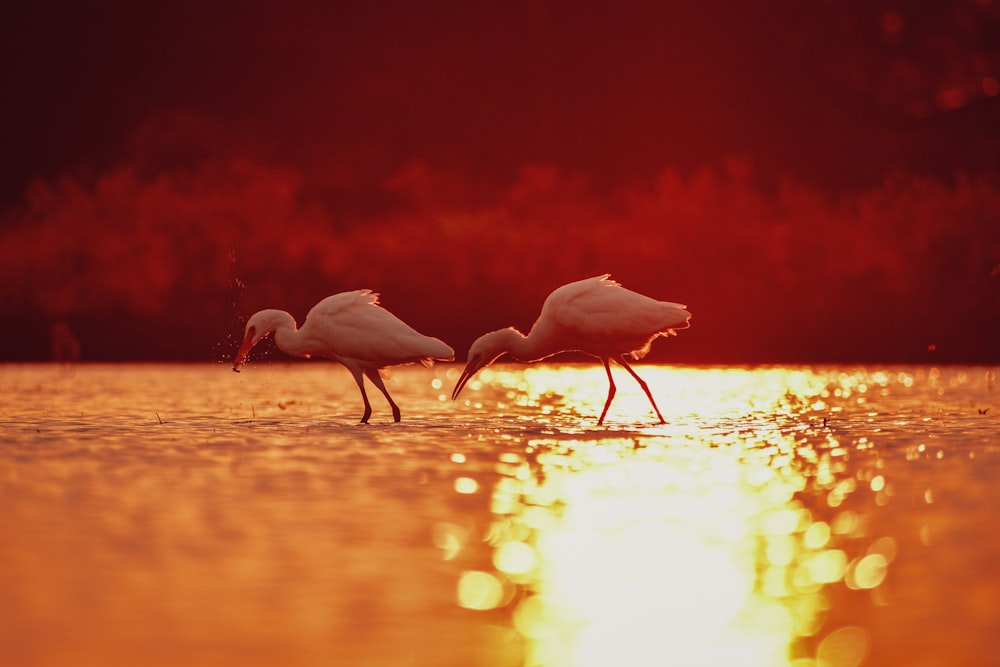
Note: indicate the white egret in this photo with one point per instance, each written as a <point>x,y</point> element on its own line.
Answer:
<point>596,316</point>
<point>353,329</point>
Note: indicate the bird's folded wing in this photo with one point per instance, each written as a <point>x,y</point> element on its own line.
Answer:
<point>369,333</point>
<point>338,303</point>
<point>611,313</point>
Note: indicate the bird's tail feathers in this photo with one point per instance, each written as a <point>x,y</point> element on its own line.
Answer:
<point>636,355</point>
<point>436,350</point>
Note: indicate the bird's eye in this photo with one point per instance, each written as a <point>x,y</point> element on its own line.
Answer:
<point>252,331</point>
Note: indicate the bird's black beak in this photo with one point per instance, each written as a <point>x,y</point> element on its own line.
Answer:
<point>470,370</point>
<point>241,354</point>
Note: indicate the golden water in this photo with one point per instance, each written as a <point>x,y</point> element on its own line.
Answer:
<point>787,517</point>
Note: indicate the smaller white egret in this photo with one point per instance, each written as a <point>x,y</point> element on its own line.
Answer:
<point>596,316</point>
<point>353,329</point>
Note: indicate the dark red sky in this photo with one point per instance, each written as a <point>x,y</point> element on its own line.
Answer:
<point>349,90</point>
<point>819,172</point>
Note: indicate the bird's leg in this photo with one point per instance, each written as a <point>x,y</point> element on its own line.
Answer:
<point>364,396</point>
<point>376,379</point>
<point>611,391</point>
<point>645,387</point>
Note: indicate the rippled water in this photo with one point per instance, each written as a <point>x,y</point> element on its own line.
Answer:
<point>169,515</point>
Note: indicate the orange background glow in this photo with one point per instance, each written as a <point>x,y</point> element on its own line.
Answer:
<point>818,181</point>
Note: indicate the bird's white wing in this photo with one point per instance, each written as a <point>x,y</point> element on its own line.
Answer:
<point>354,326</point>
<point>338,303</point>
<point>600,310</point>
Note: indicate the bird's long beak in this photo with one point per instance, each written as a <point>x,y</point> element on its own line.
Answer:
<point>470,370</point>
<point>244,350</point>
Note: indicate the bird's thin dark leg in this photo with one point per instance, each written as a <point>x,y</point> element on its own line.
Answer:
<point>364,396</point>
<point>611,391</point>
<point>376,379</point>
<point>645,388</point>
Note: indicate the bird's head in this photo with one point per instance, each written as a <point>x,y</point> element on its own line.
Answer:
<point>484,351</point>
<point>259,325</point>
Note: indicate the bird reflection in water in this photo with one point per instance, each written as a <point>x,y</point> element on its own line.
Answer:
<point>691,547</point>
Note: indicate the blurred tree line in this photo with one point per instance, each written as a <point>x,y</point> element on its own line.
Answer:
<point>168,266</point>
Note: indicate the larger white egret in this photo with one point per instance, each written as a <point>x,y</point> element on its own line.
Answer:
<point>596,316</point>
<point>353,329</point>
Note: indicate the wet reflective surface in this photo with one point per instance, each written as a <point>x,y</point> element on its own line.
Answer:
<point>166,515</point>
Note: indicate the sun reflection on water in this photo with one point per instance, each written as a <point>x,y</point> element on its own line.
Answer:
<point>182,514</point>
<point>581,391</point>
<point>710,541</point>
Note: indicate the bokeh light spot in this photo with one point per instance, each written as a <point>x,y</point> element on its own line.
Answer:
<point>826,567</point>
<point>466,485</point>
<point>817,535</point>
<point>886,546</point>
<point>479,590</point>
<point>869,572</point>
<point>449,538</point>
<point>515,558</point>
<point>844,647</point>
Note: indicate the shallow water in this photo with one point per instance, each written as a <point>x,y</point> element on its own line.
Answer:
<point>184,514</point>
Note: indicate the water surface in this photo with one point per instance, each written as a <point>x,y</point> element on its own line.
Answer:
<point>184,514</point>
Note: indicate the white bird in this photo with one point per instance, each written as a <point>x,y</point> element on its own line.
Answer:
<point>352,328</point>
<point>596,316</point>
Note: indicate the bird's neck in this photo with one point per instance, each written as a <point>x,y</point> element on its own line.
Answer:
<point>524,348</point>
<point>287,336</point>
